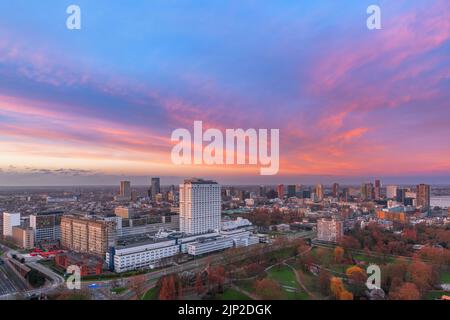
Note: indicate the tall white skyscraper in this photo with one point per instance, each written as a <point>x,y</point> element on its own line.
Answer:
<point>10,220</point>
<point>200,206</point>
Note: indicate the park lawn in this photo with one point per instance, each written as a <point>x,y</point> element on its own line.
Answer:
<point>246,285</point>
<point>286,278</point>
<point>150,294</point>
<point>445,277</point>
<point>232,294</point>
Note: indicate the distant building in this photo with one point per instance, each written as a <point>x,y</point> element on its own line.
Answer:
<point>291,191</point>
<point>377,189</point>
<point>400,195</point>
<point>423,196</point>
<point>124,191</point>
<point>10,220</point>
<point>280,191</point>
<point>155,188</point>
<point>390,215</point>
<point>319,192</point>
<point>1,224</point>
<point>124,212</point>
<point>200,206</point>
<point>391,192</point>
<point>336,190</point>
<point>330,230</point>
<point>367,191</point>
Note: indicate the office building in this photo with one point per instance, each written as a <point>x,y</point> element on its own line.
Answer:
<point>10,220</point>
<point>423,196</point>
<point>200,206</point>
<point>330,230</point>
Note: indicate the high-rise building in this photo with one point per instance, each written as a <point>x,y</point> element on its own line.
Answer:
<point>423,196</point>
<point>1,224</point>
<point>155,187</point>
<point>280,191</point>
<point>319,192</point>
<point>10,220</point>
<point>86,235</point>
<point>200,206</point>
<point>262,191</point>
<point>291,191</point>
<point>391,192</point>
<point>377,190</point>
<point>367,191</point>
<point>46,226</point>
<point>335,190</point>
<point>330,230</point>
<point>400,195</point>
<point>125,189</point>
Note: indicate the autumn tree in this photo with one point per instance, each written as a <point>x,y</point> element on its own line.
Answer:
<point>324,282</point>
<point>199,284</point>
<point>138,285</point>
<point>357,278</point>
<point>268,289</point>
<point>407,291</point>
<point>169,288</point>
<point>338,290</point>
<point>421,275</point>
<point>338,254</point>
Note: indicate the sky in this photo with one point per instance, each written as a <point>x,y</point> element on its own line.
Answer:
<point>99,104</point>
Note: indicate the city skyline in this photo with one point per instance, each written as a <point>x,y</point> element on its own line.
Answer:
<point>98,105</point>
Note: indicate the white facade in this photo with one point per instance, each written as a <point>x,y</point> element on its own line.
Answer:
<point>142,256</point>
<point>200,206</point>
<point>209,245</point>
<point>10,220</point>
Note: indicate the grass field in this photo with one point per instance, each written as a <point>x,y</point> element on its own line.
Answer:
<point>445,277</point>
<point>232,294</point>
<point>432,295</point>
<point>150,294</point>
<point>286,278</point>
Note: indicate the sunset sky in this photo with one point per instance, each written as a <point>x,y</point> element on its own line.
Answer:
<point>98,104</point>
